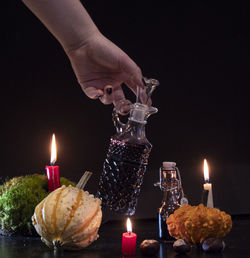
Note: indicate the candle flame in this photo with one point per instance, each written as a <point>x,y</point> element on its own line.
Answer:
<point>53,150</point>
<point>206,172</point>
<point>129,226</point>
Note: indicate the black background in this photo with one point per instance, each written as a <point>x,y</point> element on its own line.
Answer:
<point>198,50</point>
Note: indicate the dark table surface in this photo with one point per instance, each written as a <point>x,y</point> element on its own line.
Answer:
<point>109,243</point>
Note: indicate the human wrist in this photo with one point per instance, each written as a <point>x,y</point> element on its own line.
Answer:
<point>82,39</point>
<point>67,20</point>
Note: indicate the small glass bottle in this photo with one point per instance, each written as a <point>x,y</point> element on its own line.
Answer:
<point>172,192</point>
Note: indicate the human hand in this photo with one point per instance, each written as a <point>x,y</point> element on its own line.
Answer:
<point>101,67</point>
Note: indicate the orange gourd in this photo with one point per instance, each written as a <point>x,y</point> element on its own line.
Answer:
<point>194,224</point>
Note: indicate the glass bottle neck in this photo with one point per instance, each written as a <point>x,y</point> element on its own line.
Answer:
<point>170,196</point>
<point>136,129</point>
<point>170,187</point>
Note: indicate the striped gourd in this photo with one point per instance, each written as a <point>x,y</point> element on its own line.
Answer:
<point>68,217</point>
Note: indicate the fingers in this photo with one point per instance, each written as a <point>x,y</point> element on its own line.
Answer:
<point>139,92</point>
<point>112,94</point>
<point>135,81</point>
<point>131,85</point>
<point>123,107</point>
<point>120,102</point>
<point>133,71</point>
<point>93,92</point>
<point>138,79</point>
<point>118,95</point>
<point>107,97</point>
<point>109,94</point>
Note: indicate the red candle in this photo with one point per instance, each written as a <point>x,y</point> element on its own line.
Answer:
<point>129,240</point>
<point>52,171</point>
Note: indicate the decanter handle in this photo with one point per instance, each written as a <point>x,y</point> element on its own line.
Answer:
<point>117,122</point>
<point>122,108</point>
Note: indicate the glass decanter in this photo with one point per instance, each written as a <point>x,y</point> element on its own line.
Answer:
<point>127,157</point>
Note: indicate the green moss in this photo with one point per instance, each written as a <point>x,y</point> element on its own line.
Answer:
<point>19,197</point>
<point>9,183</point>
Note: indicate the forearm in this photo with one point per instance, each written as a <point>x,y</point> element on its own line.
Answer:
<point>67,20</point>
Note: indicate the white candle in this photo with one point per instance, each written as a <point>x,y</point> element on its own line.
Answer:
<point>208,186</point>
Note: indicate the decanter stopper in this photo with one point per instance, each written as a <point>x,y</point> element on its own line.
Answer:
<point>143,94</point>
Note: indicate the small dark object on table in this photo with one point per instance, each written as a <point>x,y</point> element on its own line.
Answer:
<point>149,247</point>
<point>181,247</point>
<point>213,245</point>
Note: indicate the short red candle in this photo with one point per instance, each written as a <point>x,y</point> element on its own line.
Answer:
<point>52,171</point>
<point>53,177</point>
<point>129,241</point>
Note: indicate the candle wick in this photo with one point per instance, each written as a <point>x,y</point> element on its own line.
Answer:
<point>206,181</point>
<point>129,232</point>
<point>52,163</point>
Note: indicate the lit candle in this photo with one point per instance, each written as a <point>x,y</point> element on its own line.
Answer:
<point>53,171</point>
<point>207,186</point>
<point>129,240</point>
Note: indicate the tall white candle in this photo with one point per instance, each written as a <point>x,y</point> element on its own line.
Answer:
<point>208,186</point>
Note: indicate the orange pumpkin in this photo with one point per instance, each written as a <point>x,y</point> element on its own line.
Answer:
<point>194,224</point>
